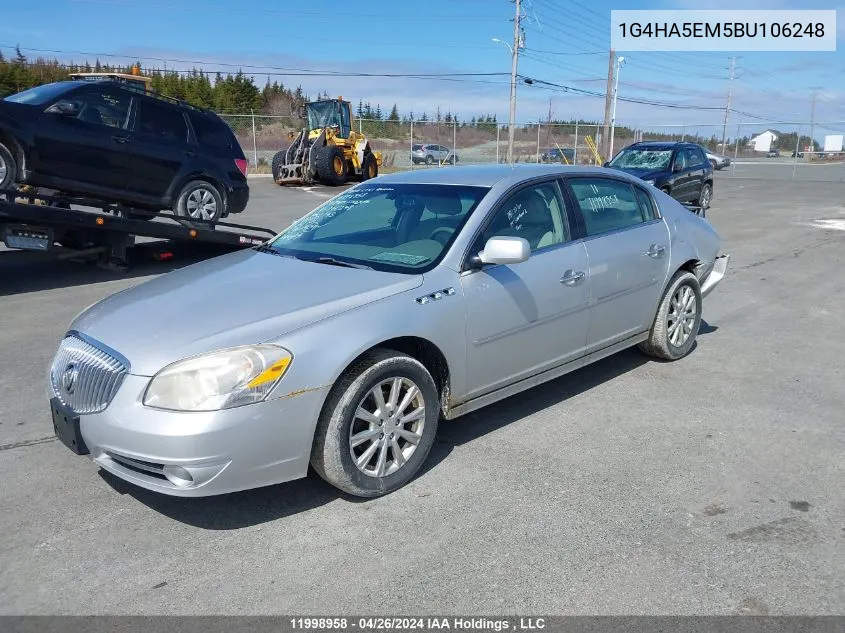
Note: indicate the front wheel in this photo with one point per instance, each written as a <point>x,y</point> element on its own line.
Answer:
<point>678,318</point>
<point>332,167</point>
<point>201,201</point>
<point>377,426</point>
<point>429,160</point>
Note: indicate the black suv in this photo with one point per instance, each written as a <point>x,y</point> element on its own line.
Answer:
<point>111,141</point>
<point>680,169</point>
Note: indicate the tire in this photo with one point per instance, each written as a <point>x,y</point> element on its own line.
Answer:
<point>706,196</point>
<point>666,190</point>
<point>199,200</point>
<point>8,168</point>
<point>369,168</point>
<point>660,342</point>
<point>332,451</point>
<point>279,159</point>
<point>429,160</point>
<point>452,160</point>
<point>332,167</point>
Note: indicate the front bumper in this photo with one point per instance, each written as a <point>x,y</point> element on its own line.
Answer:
<point>716,274</point>
<point>205,453</point>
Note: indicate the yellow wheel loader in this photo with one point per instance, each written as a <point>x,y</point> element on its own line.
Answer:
<point>328,150</point>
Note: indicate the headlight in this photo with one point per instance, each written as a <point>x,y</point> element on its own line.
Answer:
<point>220,380</point>
<point>649,182</point>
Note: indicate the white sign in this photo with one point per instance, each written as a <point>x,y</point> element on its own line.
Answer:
<point>833,143</point>
<point>723,30</point>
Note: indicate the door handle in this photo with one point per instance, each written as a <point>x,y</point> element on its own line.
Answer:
<point>120,139</point>
<point>655,251</point>
<point>573,277</point>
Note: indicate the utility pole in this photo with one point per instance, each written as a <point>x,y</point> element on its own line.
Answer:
<point>514,63</point>
<point>812,121</point>
<point>619,65</point>
<point>608,101</point>
<point>728,106</point>
<point>549,125</point>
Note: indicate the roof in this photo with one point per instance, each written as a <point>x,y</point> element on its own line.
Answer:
<point>487,175</point>
<point>662,144</point>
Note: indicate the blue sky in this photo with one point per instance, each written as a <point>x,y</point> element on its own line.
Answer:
<point>566,43</point>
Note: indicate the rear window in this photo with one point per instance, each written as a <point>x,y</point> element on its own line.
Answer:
<point>210,133</point>
<point>162,121</point>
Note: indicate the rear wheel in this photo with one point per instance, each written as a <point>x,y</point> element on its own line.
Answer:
<point>8,167</point>
<point>429,160</point>
<point>369,169</point>
<point>377,426</point>
<point>332,167</point>
<point>201,201</point>
<point>678,318</point>
<point>705,196</point>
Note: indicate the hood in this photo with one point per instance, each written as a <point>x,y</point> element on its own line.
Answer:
<point>644,174</point>
<point>238,299</point>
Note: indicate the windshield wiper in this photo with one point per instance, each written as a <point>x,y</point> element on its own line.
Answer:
<point>337,262</point>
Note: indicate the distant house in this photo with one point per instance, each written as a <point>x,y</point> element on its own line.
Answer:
<point>763,142</point>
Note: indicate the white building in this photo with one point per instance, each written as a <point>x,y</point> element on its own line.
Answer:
<point>763,142</point>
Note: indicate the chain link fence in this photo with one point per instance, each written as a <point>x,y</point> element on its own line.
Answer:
<point>757,150</point>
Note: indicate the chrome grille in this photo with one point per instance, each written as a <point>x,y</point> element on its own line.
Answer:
<point>84,377</point>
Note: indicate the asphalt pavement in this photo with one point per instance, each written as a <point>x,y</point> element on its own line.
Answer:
<point>712,485</point>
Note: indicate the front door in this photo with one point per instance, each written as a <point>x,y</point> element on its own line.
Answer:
<point>89,149</point>
<point>628,249</point>
<point>160,147</point>
<point>525,318</point>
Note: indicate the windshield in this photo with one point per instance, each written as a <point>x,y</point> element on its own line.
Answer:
<point>41,94</point>
<point>651,159</point>
<point>323,114</point>
<point>393,228</point>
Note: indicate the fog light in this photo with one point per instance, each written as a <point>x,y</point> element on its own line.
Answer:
<point>178,476</point>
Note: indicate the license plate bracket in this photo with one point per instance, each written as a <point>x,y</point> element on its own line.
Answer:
<point>67,428</point>
<point>28,238</point>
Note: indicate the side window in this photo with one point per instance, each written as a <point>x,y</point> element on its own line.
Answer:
<point>210,133</point>
<point>693,157</point>
<point>646,204</point>
<point>535,213</point>
<point>106,107</point>
<point>606,205</point>
<point>162,121</point>
<point>681,159</point>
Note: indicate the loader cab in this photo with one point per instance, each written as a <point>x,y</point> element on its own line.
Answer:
<point>330,113</point>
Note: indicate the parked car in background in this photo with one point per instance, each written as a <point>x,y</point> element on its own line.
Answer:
<point>558,155</point>
<point>773,153</point>
<point>417,296</point>
<point>717,161</point>
<point>107,140</point>
<point>680,169</point>
<point>430,154</point>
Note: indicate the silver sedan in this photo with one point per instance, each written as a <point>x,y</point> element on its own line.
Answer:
<point>342,342</point>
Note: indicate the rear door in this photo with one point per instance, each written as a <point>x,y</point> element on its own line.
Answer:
<point>91,148</point>
<point>628,251</point>
<point>698,167</point>
<point>160,147</point>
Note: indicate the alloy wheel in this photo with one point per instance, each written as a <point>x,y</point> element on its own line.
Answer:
<point>387,427</point>
<point>201,205</point>
<point>3,169</point>
<point>681,317</point>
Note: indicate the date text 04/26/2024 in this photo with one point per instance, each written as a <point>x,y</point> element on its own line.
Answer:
<point>418,624</point>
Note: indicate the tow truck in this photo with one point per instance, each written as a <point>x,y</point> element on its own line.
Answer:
<point>49,222</point>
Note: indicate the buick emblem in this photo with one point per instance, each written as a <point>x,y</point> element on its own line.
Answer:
<point>69,377</point>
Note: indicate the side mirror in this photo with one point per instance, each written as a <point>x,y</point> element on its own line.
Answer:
<point>63,108</point>
<point>677,167</point>
<point>606,163</point>
<point>505,250</point>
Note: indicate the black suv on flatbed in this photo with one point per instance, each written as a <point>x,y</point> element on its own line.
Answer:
<point>111,141</point>
<point>680,169</point>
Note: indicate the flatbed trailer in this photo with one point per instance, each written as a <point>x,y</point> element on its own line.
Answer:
<point>47,223</point>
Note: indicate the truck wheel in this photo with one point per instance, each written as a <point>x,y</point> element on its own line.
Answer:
<point>199,200</point>
<point>377,426</point>
<point>8,168</point>
<point>369,169</point>
<point>276,165</point>
<point>331,166</point>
